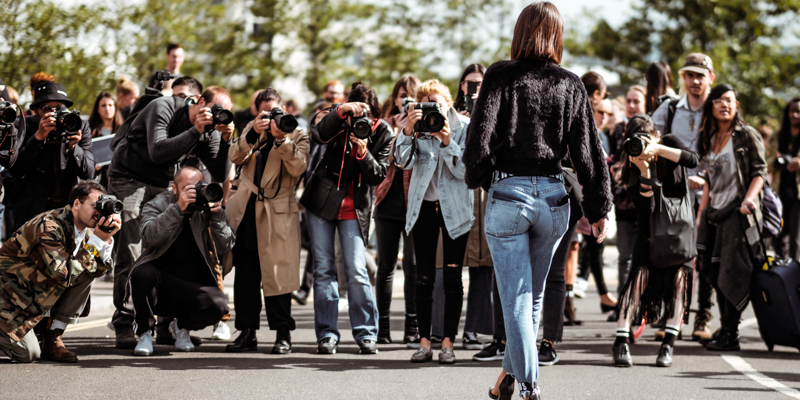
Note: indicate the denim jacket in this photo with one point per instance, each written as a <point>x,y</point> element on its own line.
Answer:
<point>455,197</point>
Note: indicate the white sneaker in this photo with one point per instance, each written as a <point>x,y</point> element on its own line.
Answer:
<point>145,345</point>
<point>579,288</point>
<point>221,331</point>
<point>344,305</point>
<point>181,336</point>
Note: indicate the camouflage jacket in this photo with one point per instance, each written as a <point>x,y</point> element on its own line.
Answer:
<point>37,266</point>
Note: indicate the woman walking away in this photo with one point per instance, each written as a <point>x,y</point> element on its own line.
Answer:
<point>652,291</point>
<point>731,204</point>
<point>531,111</point>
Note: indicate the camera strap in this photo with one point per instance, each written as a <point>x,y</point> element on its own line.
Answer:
<point>413,148</point>
<point>260,173</point>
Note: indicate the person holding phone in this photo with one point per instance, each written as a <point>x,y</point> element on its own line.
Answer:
<point>468,88</point>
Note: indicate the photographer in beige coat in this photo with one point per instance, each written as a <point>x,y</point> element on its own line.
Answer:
<point>263,212</point>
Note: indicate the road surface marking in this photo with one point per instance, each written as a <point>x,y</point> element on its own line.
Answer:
<point>742,366</point>
<point>748,322</point>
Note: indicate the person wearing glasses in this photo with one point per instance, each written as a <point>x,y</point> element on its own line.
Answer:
<point>48,164</point>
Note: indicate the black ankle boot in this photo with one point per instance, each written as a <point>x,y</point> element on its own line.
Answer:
<point>245,342</point>
<point>728,340</point>
<point>384,336</point>
<point>283,342</point>
<point>411,335</point>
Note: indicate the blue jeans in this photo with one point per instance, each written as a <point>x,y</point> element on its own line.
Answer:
<point>363,309</point>
<point>526,217</point>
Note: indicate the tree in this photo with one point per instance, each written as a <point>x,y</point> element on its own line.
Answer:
<point>743,38</point>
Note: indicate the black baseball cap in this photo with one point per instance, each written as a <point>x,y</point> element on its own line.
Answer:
<point>50,91</point>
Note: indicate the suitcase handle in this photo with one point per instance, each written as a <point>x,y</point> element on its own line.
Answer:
<point>752,231</point>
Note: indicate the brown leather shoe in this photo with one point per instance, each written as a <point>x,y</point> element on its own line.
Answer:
<point>54,349</point>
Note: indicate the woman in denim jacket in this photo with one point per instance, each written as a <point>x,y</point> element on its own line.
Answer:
<point>438,197</point>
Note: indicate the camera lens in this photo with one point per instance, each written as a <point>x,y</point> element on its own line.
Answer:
<point>213,192</point>
<point>634,147</point>
<point>224,117</point>
<point>434,122</point>
<point>286,123</point>
<point>69,122</point>
<point>8,115</point>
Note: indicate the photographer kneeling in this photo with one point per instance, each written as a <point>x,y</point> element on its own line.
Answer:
<point>273,153</point>
<point>47,268</point>
<point>339,196</point>
<point>175,277</point>
<point>658,283</point>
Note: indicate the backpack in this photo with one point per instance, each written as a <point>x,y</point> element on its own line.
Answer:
<point>772,211</point>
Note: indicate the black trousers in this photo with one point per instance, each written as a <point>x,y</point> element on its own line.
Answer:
<point>592,260</point>
<point>555,289</point>
<point>388,233</point>
<point>426,240</point>
<point>247,295</point>
<point>195,305</point>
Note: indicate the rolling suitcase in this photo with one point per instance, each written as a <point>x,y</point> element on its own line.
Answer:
<point>775,296</point>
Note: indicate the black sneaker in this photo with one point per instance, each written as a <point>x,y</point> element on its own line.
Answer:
<point>728,340</point>
<point>471,342</point>
<point>368,346</point>
<point>283,342</point>
<point>328,345</point>
<point>493,352</point>
<point>547,354</point>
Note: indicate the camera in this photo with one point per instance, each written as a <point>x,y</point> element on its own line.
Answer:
<point>161,77</point>
<point>220,115</point>
<point>783,160</point>
<point>67,123</point>
<point>469,102</point>
<point>206,193</point>
<point>432,117</point>
<point>107,205</point>
<point>362,126</point>
<point>634,146</point>
<point>7,115</point>
<point>284,122</point>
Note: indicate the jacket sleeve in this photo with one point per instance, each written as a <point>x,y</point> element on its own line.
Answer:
<point>240,146</point>
<point>486,121</point>
<point>13,142</point>
<point>159,225</point>
<point>53,258</point>
<point>375,163</point>
<point>214,154</point>
<point>295,154</point>
<point>160,146</point>
<point>329,127</point>
<point>453,152</point>
<point>688,158</point>
<point>586,153</point>
<point>81,158</point>
<point>223,235</point>
<point>29,149</point>
<point>755,153</point>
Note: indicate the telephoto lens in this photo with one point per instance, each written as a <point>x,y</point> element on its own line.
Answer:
<point>106,206</point>
<point>362,126</point>
<point>7,114</point>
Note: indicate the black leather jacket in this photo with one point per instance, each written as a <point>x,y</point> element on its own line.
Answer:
<point>327,186</point>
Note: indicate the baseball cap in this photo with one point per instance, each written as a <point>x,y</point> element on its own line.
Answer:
<point>699,63</point>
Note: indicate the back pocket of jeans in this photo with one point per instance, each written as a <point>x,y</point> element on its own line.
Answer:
<point>560,215</point>
<point>503,217</point>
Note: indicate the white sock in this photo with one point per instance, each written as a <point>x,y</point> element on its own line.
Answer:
<point>56,324</point>
<point>672,329</point>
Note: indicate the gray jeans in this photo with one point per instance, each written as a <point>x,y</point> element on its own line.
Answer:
<point>128,242</point>
<point>67,309</point>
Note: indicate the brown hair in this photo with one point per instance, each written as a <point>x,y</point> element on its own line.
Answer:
<point>409,83</point>
<point>333,83</point>
<point>41,77</point>
<point>267,95</point>
<point>212,91</point>
<point>173,46</point>
<point>539,33</point>
<point>125,86</point>
<point>659,80</point>
<point>362,93</point>
<point>13,96</point>
<point>96,121</point>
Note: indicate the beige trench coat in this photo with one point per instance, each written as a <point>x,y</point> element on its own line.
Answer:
<point>277,219</point>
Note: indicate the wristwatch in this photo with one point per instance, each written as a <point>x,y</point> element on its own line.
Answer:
<point>92,250</point>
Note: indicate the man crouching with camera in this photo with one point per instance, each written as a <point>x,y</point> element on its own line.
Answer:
<point>182,230</point>
<point>273,154</point>
<point>47,268</point>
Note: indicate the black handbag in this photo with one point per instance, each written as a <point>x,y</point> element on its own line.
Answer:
<point>672,231</point>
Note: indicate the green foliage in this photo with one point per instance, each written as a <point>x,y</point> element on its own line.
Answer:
<point>745,39</point>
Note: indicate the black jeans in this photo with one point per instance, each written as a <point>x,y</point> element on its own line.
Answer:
<point>479,301</point>
<point>593,260</point>
<point>555,290</point>
<point>729,315</point>
<point>247,295</point>
<point>426,240</point>
<point>388,233</point>
<point>154,291</point>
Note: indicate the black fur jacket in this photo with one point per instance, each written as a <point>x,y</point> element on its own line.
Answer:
<point>529,115</point>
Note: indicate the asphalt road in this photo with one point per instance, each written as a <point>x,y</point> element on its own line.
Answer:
<point>585,370</point>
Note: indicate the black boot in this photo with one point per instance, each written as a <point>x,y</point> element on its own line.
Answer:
<point>283,342</point>
<point>728,340</point>
<point>245,342</point>
<point>384,336</point>
<point>569,313</point>
<point>411,335</point>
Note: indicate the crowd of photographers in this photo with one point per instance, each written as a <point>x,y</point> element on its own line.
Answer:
<point>176,191</point>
